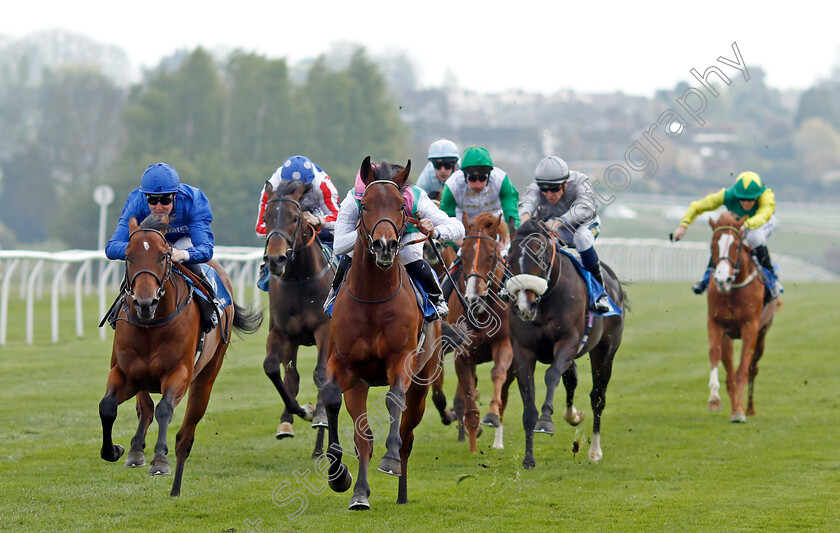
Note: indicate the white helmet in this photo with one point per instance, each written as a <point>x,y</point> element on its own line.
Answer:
<point>443,148</point>
<point>552,169</point>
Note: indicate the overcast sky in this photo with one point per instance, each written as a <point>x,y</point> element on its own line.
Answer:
<point>490,46</point>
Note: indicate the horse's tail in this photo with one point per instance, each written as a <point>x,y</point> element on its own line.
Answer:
<point>246,319</point>
<point>623,300</point>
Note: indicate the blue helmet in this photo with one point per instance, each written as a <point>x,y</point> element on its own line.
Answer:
<point>160,178</point>
<point>298,168</point>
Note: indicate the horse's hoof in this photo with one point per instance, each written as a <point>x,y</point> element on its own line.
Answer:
<point>159,467</point>
<point>574,416</point>
<point>342,481</point>
<point>544,426</point>
<point>390,466</point>
<point>117,451</point>
<point>359,503</point>
<point>448,417</point>
<point>462,433</point>
<point>307,412</point>
<point>529,463</point>
<point>320,418</point>
<point>492,420</point>
<point>135,458</point>
<point>738,418</point>
<point>285,430</point>
<point>714,408</point>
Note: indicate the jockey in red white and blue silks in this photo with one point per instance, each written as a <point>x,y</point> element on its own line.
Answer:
<point>189,220</point>
<point>301,168</point>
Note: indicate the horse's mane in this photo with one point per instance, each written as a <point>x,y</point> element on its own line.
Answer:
<point>529,227</point>
<point>387,171</point>
<point>487,220</point>
<point>154,222</point>
<point>727,218</point>
<point>308,200</point>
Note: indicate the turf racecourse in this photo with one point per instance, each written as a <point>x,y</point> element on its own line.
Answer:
<point>669,465</point>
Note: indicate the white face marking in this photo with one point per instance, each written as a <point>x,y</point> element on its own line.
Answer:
<point>724,268</point>
<point>472,288</point>
<point>146,245</point>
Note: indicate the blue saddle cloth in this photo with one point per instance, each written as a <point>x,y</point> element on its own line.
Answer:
<point>223,297</point>
<point>423,301</point>
<point>769,280</point>
<point>595,289</point>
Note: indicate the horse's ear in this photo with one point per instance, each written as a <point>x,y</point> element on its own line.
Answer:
<point>401,178</point>
<point>269,189</point>
<point>498,227</point>
<point>511,227</point>
<point>132,224</point>
<point>465,220</point>
<point>165,220</point>
<point>712,223</point>
<point>366,172</point>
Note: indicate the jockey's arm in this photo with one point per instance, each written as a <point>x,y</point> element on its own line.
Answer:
<point>509,198</point>
<point>345,225</point>
<point>447,201</point>
<point>709,203</point>
<point>445,227</point>
<point>766,208</point>
<point>115,249</point>
<point>201,235</point>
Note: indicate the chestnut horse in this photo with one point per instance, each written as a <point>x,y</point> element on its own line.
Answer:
<point>299,284</point>
<point>550,323</point>
<point>155,345</point>
<point>375,334</point>
<point>485,332</point>
<point>736,311</point>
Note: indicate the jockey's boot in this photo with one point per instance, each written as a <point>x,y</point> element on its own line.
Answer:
<point>590,261</point>
<point>700,286</point>
<point>264,277</point>
<point>210,317</point>
<point>763,255</point>
<point>422,272</point>
<point>340,271</point>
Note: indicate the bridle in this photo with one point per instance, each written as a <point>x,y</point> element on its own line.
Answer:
<point>129,281</point>
<point>368,234</point>
<point>290,240</point>
<point>474,273</point>
<point>546,271</point>
<point>736,263</point>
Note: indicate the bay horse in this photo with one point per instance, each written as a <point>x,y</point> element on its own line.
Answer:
<point>299,284</point>
<point>550,323</point>
<point>155,350</point>
<point>736,311</point>
<point>375,336</point>
<point>484,325</point>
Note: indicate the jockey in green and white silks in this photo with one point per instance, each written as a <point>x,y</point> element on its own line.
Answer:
<point>565,203</point>
<point>479,187</point>
<point>422,209</point>
<point>748,197</point>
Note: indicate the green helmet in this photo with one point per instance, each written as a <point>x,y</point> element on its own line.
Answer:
<point>476,156</point>
<point>748,186</point>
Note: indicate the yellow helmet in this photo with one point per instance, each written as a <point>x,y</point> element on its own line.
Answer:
<point>748,186</point>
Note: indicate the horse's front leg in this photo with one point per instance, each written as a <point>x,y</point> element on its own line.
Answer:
<point>173,387</point>
<point>356,399</point>
<point>716,341</point>
<point>749,337</point>
<point>340,478</point>
<point>145,414</point>
<point>116,392</point>
<point>502,360</point>
<point>526,361</point>
<point>319,376</point>
<point>278,349</point>
<point>394,404</point>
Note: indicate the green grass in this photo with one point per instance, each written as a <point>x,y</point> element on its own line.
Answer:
<point>669,465</point>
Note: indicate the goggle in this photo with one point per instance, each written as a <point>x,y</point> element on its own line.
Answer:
<point>164,199</point>
<point>551,187</point>
<point>446,165</point>
<point>477,176</point>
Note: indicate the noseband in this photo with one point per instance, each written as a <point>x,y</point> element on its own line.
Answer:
<point>129,285</point>
<point>474,273</point>
<point>736,267</point>
<point>546,271</point>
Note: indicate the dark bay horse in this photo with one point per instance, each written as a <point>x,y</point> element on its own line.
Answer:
<point>485,332</point>
<point>298,287</point>
<point>374,338</point>
<point>736,311</point>
<point>155,345</point>
<point>548,323</point>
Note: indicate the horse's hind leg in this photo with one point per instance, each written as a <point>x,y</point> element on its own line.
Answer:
<point>411,417</point>
<point>319,377</point>
<point>197,400</point>
<point>601,359</point>
<point>759,351</point>
<point>502,359</point>
<point>115,394</point>
<point>145,414</point>
<point>356,399</point>
<point>465,368</point>
<point>447,416</point>
<point>572,415</point>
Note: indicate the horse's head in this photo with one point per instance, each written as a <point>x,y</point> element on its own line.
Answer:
<point>286,231</point>
<point>382,214</point>
<point>726,249</point>
<point>148,264</point>
<point>480,257</point>
<point>531,257</point>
